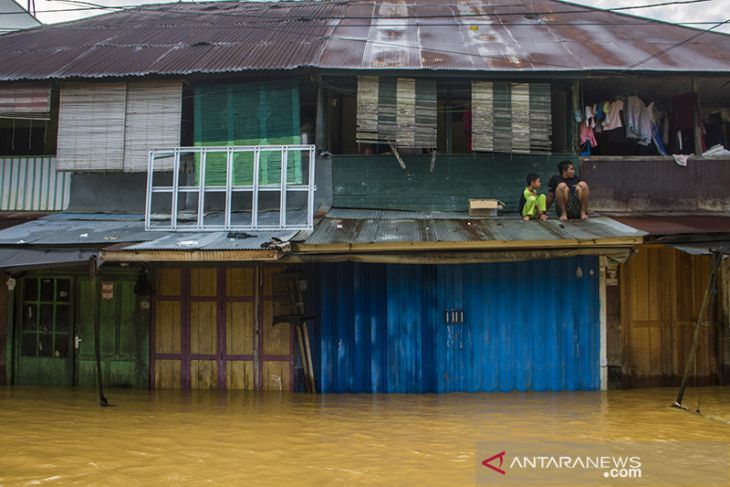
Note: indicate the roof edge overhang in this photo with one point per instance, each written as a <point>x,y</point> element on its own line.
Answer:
<point>470,73</point>
<point>526,245</point>
<point>268,255</point>
<point>615,254</point>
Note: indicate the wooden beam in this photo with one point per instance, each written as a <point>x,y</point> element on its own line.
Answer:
<point>575,105</point>
<point>603,263</point>
<point>697,121</point>
<point>467,245</point>
<point>190,256</point>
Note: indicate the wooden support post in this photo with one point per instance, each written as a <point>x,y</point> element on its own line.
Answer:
<point>93,271</point>
<point>257,327</point>
<point>312,381</point>
<point>697,121</point>
<point>717,258</point>
<point>603,263</point>
<point>574,105</point>
<point>320,131</point>
<point>303,355</point>
<point>10,350</point>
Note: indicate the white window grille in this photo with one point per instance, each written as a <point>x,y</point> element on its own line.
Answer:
<point>250,188</point>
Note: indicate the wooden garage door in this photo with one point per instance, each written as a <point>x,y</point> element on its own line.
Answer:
<point>213,330</point>
<point>662,292</point>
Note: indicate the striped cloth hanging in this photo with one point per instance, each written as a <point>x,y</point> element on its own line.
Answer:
<point>511,117</point>
<point>400,111</point>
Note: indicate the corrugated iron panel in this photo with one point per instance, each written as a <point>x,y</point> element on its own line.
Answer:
<point>89,229</point>
<point>213,241</point>
<point>459,35</point>
<point>408,227</point>
<point>33,184</point>
<point>658,225</point>
<point>526,326</point>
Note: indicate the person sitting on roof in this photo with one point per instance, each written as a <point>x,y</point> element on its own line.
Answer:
<point>570,192</point>
<point>532,204</point>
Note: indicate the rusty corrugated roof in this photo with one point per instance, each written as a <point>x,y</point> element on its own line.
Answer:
<point>452,35</point>
<point>374,228</point>
<point>666,225</point>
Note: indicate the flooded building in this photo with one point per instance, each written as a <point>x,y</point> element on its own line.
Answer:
<point>276,196</point>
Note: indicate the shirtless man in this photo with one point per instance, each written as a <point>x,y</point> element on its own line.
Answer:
<point>570,192</point>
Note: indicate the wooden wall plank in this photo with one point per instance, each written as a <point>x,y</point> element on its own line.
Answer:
<point>203,321</point>
<point>277,376</point>
<point>239,328</point>
<point>240,282</point>
<point>203,374</point>
<point>203,282</point>
<point>167,374</point>
<point>169,282</point>
<point>239,375</point>
<point>168,327</point>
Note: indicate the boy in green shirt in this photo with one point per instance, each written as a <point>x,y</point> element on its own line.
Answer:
<point>532,204</point>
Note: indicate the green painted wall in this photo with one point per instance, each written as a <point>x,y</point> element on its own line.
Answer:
<point>378,182</point>
<point>124,337</point>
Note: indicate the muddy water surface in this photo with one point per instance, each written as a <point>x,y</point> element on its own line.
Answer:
<point>62,437</point>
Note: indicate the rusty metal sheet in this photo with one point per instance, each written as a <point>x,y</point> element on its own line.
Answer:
<point>677,224</point>
<point>360,227</point>
<point>457,35</point>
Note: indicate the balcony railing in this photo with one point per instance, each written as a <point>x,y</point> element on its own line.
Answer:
<point>239,188</point>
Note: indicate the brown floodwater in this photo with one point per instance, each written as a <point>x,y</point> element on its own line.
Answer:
<point>62,437</point>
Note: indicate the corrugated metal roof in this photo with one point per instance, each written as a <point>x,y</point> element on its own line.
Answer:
<point>366,229</point>
<point>478,35</point>
<point>212,241</point>
<point>660,225</point>
<point>107,230</point>
<point>33,184</point>
<point>15,258</point>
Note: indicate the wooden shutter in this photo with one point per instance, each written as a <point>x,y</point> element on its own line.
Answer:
<point>25,100</point>
<point>152,120</point>
<point>367,109</point>
<point>400,111</point>
<point>511,117</point>
<point>482,113</point>
<point>248,114</point>
<point>91,126</point>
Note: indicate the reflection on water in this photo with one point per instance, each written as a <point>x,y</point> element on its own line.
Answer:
<point>61,436</point>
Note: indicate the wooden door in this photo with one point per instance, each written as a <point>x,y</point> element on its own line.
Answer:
<point>44,338</point>
<point>213,329</point>
<point>121,339</point>
<point>662,290</point>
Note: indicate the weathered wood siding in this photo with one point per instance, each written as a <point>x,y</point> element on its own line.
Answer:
<point>662,292</point>
<point>124,337</point>
<point>4,326</point>
<point>379,182</point>
<point>657,184</point>
<point>213,329</point>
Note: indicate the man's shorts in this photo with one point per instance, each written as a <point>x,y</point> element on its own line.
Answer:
<point>572,208</point>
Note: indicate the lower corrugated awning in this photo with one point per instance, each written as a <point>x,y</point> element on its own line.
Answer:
<point>17,258</point>
<point>418,237</point>
<point>703,248</point>
<point>616,254</point>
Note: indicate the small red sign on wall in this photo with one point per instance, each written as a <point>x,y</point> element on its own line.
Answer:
<point>107,290</point>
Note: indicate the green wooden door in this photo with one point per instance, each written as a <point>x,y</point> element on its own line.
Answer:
<point>123,336</point>
<point>44,342</point>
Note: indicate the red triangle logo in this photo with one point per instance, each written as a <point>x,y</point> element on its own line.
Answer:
<point>487,463</point>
